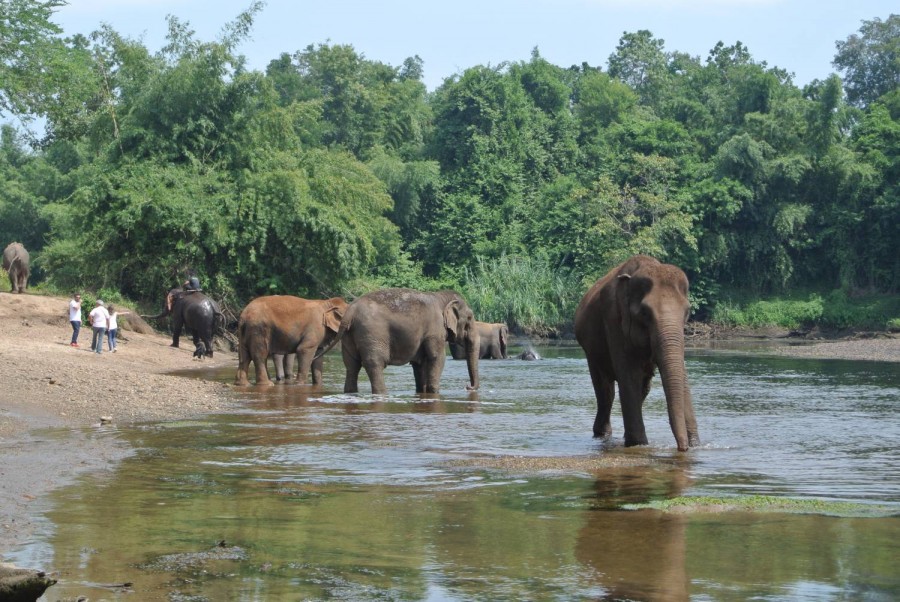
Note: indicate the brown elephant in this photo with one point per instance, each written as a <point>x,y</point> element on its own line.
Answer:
<point>392,327</point>
<point>494,339</point>
<point>283,324</point>
<point>630,323</point>
<point>17,264</point>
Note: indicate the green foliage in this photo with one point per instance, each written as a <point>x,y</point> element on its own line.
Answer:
<point>784,313</point>
<point>834,311</point>
<point>869,60</point>
<point>331,173</point>
<point>530,294</point>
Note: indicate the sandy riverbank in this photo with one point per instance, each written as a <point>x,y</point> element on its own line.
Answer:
<point>46,384</point>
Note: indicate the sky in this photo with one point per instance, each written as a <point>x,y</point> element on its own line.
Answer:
<point>451,36</point>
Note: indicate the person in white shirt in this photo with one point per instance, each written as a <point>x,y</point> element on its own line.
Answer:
<point>99,322</point>
<point>75,318</point>
<point>114,326</point>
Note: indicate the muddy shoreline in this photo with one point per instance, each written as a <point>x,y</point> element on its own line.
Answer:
<point>55,395</point>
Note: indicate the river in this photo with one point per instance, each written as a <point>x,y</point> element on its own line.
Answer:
<point>308,494</point>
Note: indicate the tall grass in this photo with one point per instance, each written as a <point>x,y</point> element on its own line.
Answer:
<point>835,310</point>
<point>529,294</point>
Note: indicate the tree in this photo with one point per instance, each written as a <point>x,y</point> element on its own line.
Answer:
<point>870,61</point>
<point>28,45</point>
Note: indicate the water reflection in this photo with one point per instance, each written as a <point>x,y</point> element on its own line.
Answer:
<point>317,494</point>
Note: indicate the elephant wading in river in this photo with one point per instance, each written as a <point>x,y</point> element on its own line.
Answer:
<point>280,325</point>
<point>494,338</point>
<point>16,263</point>
<point>392,327</point>
<point>197,313</point>
<point>630,323</point>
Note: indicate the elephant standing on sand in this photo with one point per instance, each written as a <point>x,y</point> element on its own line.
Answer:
<point>16,263</point>
<point>494,339</point>
<point>197,313</point>
<point>392,327</point>
<point>281,325</point>
<point>630,323</point>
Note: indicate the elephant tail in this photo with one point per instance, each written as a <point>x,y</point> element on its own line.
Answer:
<point>346,321</point>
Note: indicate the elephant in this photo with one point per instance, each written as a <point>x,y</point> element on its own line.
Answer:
<point>397,325</point>
<point>17,265</point>
<point>529,355</point>
<point>284,365</point>
<point>283,325</point>
<point>494,338</point>
<point>197,313</point>
<point>630,323</point>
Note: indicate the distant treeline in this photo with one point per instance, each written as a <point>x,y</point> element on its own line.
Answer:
<point>518,184</point>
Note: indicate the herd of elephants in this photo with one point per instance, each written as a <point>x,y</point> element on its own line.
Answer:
<point>630,323</point>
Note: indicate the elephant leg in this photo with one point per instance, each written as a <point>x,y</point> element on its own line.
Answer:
<point>633,389</point>
<point>432,372</point>
<point>259,364</point>
<point>278,360</point>
<point>177,325</point>
<point>604,391</point>
<point>419,376</point>
<point>353,365</point>
<point>305,364</point>
<point>375,371</point>
<point>317,366</point>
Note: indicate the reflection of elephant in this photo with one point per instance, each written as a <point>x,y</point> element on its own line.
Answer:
<point>630,323</point>
<point>636,554</point>
<point>394,326</point>
<point>494,338</point>
<point>197,313</point>
<point>16,264</point>
<point>282,325</point>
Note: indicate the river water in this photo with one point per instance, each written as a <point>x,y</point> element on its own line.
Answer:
<point>308,494</point>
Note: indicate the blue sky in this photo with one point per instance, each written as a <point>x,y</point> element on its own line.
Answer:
<point>450,36</point>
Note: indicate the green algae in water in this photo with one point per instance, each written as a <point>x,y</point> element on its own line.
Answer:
<point>767,503</point>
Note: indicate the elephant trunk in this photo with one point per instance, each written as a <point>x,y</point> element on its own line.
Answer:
<point>473,350</point>
<point>162,314</point>
<point>669,358</point>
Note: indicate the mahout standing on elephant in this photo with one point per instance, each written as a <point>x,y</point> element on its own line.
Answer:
<point>280,325</point>
<point>630,323</point>
<point>494,338</point>
<point>197,313</point>
<point>17,264</point>
<point>395,326</point>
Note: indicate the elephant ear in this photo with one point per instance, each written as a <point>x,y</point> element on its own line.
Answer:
<point>504,334</point>
<point>451,317</point>
<point>169,298</point>
<point>332,319</point>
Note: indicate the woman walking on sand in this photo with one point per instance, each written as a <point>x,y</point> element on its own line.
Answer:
<point>114,326</point>
<point>99,322</point>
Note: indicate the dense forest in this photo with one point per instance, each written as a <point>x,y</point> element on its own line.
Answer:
<point>517,184</point>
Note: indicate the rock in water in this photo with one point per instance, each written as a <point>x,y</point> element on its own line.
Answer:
<point>22,585</point>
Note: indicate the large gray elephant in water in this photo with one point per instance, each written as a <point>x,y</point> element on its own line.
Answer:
<point>17,264</point>
<point>630,323</point>
<point>392,327</point>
